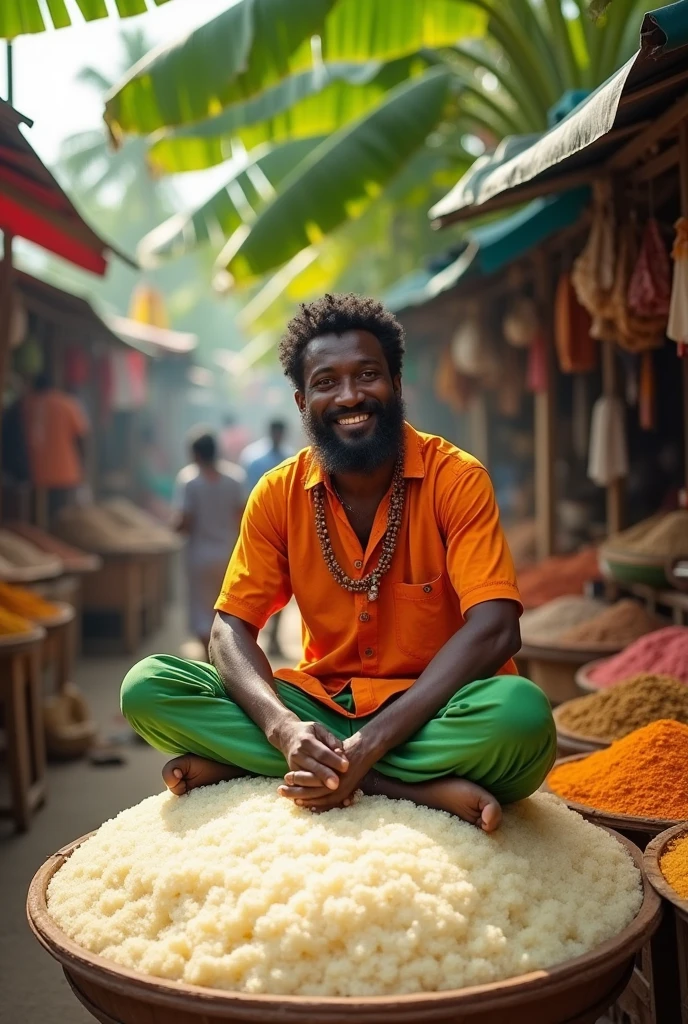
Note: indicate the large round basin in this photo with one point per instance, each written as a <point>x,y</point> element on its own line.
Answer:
<point>575,992</point>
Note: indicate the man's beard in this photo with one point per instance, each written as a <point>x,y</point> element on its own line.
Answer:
<point>363,454</point>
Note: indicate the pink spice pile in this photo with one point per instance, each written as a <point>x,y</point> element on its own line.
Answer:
<point>664,652</point>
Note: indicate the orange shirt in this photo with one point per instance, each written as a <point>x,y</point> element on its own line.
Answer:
<point>53,422</point>
<point>451,554</point>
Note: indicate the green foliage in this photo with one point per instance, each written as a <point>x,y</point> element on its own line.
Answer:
<point>258,43</point>
<point>325,189</point>
<point>26,16</point>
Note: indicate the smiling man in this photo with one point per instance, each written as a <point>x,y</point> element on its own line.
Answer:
<point>390,541</point>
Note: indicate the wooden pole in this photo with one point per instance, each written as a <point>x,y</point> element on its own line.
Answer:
<point>683,179</point>
<point>616,489</point>
<point>479,427</point>
<point>6,284</point>
<point>545,423</point>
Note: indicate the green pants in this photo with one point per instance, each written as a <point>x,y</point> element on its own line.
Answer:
<point>496,732</point>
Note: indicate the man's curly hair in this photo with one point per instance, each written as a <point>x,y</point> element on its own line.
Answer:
<point>336,314</point>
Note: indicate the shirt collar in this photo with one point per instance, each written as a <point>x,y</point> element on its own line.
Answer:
<point>414,466</point>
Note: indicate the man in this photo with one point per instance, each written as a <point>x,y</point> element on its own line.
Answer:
<point>390,541</point>
<point>210,502</point>
<point>56,428</point>
<point>257,459</point>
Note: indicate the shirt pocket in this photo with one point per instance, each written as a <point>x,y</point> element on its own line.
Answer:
<point>417,607</point>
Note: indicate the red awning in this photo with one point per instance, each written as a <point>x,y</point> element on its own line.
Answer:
<point>34,207</point>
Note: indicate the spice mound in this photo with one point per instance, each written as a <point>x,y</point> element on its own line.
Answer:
<point>616,626</point>
<point>661,536</point>
<point>26,603</point>
<point>643,774</point>
<point>557,576</point>
<point>614,713</point>
<point>663,652</point>
<point>236,888</point>
<point>544,625</point>
<point>674,865</point>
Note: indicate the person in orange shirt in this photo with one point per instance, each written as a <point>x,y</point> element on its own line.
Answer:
<point>55,427</point>
<point>390,541</point>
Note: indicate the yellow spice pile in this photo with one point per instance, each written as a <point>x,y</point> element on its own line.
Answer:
<point>236,888</point>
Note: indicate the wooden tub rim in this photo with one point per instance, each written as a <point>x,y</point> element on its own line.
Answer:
<point>611,820</point>
<point>651,864</point>
<point>609,954</point>
<point>567,734</point>
<point>583,677</point>
<point>567,655</point>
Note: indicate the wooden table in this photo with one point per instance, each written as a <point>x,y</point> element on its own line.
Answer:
<point>22,701</point>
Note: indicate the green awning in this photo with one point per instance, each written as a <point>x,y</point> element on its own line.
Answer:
<point>492,247</point>
<point>568,154</point>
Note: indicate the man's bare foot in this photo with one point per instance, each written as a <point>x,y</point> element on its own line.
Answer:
<point>189,771</point>
<point>465,799</point>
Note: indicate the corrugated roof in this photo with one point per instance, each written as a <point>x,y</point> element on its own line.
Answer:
<point>607,129</point>
<point>493,246</point>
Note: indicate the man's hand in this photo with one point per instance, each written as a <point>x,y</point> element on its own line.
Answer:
<point>306,789</point>
<point>312,753</point>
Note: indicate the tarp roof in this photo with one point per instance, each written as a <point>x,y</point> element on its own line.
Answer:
<point>493,246</point>
<point>609,128</point>
<point>34,207</point>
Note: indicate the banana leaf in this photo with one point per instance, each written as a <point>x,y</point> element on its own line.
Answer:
<point>247,189</point>
<point>25,16</point>
<point>314,102</point>
<point>340,178</point>
<point>255,44</point>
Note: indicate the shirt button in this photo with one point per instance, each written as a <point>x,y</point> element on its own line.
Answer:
<point>358,564</point>
<point>427,589</point>
<point>369,652</point>
<point>364,617</point>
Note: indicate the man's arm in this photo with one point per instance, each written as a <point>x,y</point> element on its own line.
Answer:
<point>247,677</point>
<point>490,636</point>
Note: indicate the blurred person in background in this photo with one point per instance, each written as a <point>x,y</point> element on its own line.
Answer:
<point>209,500</point>
<point>233,438</point>
<point>257,459</point>
<point>55,428</point>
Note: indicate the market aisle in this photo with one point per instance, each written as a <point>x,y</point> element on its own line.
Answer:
<point>81,797</point>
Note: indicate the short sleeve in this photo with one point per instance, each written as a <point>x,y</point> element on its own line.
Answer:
<point>479,562</point>
<point>257,582</point>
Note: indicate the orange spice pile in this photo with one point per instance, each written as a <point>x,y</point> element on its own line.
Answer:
<point>674,865</point>
<point>642,774</point>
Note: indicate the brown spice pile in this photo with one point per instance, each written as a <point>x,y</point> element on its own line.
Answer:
<point>617,626</point>
<point>615,713</point>
<point>545,625</point>
<point>661,536</point>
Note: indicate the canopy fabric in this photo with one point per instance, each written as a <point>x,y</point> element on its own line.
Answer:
<point>492,247</point>
<point>155,341</point>
<point>568,153</point>
<point>74,315</point>
<point>34,207</point>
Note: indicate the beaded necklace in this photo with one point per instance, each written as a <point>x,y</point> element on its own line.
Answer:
<point>371,582</point>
